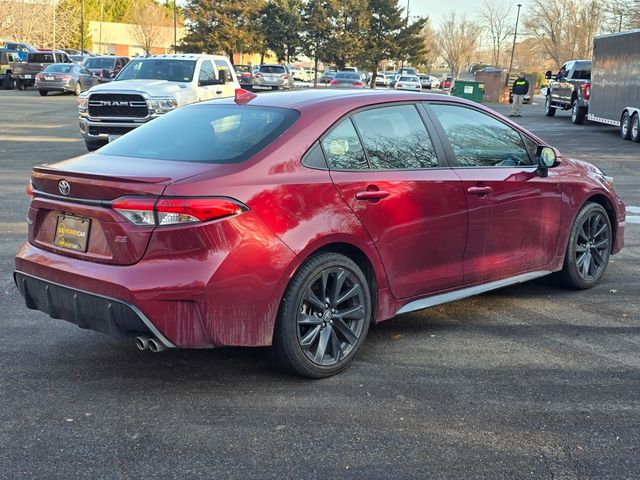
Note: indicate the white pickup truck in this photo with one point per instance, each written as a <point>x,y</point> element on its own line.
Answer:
<point>149,87</point>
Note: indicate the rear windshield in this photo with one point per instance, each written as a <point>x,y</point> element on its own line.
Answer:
<point>272,69</point>
<point>158,69</point>
<point>409,79</point>
<point>99,63</point>
<point>41,58</point>
<point>242,68</point>
<point>407,71</point>
<point>216,134</point>
<point>347,76</point>
<point>59,68</point>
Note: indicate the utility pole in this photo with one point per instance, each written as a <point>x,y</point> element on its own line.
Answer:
<point>101,14</point>
<point>54,25</point>
<point>82,27</point>
<point>513,50</point>
<point>175,29</point>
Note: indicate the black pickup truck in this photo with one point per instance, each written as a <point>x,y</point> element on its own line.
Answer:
<point>569,90</point>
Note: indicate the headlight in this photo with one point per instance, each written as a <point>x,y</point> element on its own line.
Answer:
<point>162,105</point>
<point>83,103</point>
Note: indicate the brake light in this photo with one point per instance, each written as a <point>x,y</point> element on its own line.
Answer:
<point>586,91</point>
<point>358,84</point>
<point>399,85</point>
<point>285,76</point>
<point>243,96</point>
<point>334,82</point>
<point>66,77</point>
<point>40,76</point>
<point>30,189</point>
<point>150,211</point>
<point>258,75</point>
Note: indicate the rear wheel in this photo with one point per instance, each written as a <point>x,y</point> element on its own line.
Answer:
<point>589,247</point>
<point>625,126</point>
<point>43,93</point>
<point>324,317</point>
<point>7,83</point>
<point>78,89</point>
<point>634,134</point>
<point>549,111</point>
<point>578,113</point>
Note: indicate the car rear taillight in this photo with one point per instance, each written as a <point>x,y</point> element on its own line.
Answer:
<point>258,75</point>
<point>586,91</point>
<point>151,211</point>
<point>334,82</point>
<point>399,85</point>
<point>40,76</point>
<point>30,189</point>
<point>66,77</point>
<point>358,84</point>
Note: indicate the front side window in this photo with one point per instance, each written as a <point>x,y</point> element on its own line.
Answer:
<point>343,149</point>
<point>206,72</point>
<point>216,134</point>
<point>395,138</point>
<point>479,140</point>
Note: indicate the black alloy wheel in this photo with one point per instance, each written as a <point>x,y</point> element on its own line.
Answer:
<point>589,247</point>
<point>625,126</point>
<point>549,111</point>
<point>324,317</point>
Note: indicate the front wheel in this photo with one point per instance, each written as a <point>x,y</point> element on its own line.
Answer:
<point>324,317</point>
<point>549,111</point>
<point>78,90</point>
<point>589,247</point>
<point>625,126</point>
<point>634,135</point>
<point>578,114</point>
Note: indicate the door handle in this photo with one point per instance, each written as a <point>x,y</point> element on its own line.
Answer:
<point>219,92</point>
<point>371,195</point>
<point>479,190</point>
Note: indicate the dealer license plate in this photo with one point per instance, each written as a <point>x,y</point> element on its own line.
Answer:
<point>72,232</point>
<point>49,78</point>
<point>27,76</point>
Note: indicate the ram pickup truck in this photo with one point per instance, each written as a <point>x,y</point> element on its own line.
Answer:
<point>24,73</point>
<point>569,90</point>
<point>149,87</point>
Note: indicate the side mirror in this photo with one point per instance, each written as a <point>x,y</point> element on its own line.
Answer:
<point>222,77</point>
<point>547,159</point>
<point>548,74</point>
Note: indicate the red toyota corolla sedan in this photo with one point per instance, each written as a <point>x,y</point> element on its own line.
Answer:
<point>298,219</point>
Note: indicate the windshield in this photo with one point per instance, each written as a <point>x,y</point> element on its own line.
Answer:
<point>158,69</point>
<point>272,69</point>
<point>347,76</point>
<point>59,68</point>
<point>216,134</point>
<point>99,63</point>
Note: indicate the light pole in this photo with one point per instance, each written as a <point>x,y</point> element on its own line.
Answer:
<point>513,50</point>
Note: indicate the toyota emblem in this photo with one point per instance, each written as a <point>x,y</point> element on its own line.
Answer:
<point>64,187</point>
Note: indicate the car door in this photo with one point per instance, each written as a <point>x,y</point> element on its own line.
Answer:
<point>514,213</point>
<point>207,74</point>
<point>391,172</point>
<point>229,88</point>
<point>565,89</point>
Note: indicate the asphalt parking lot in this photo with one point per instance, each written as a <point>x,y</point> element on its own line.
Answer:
<point>531,381</point>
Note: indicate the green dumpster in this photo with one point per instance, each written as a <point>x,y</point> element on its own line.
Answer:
<point>469,90</point>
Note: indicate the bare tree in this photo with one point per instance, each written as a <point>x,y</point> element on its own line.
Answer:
<point>459,39</point>
<point>147,24</point>
<point>432,48</point>
<point>565,27</point>
<point>498,21</point>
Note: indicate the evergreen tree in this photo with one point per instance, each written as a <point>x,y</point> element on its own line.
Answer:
<point>281,24</point>
<point>317,31</point>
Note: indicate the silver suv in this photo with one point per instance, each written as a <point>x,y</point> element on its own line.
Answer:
<point>273,77</point>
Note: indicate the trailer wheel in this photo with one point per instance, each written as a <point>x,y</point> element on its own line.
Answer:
<point>635,128</point>
<point>625,126</point>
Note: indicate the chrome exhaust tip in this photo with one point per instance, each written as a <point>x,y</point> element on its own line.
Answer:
<point>142,343</point>
<point>155,345</point>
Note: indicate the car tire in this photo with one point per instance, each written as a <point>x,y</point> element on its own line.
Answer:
<point>625,126</point>
<point>43,93</point>
<point>323,318</point>
<point>549,111</point>
<point>93,146</point>
<point>634,131</point>
<point>78,89</point>
<point>589,247</point>
<point>578,113</point>
<point>18,84</point>
<point>7,83</point>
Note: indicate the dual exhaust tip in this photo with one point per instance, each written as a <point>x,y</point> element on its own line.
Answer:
<point>151,343</point>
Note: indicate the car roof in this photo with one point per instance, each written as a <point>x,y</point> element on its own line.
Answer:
<point>310,99</point>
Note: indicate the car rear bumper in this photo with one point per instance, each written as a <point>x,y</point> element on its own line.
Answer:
<point>86,310</point>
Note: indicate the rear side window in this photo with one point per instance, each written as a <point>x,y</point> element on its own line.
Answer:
<point>582,71</point>
<point>343,149</point>
<point>214,134</point>
<point>395,138</point>
<point>479,140</point>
